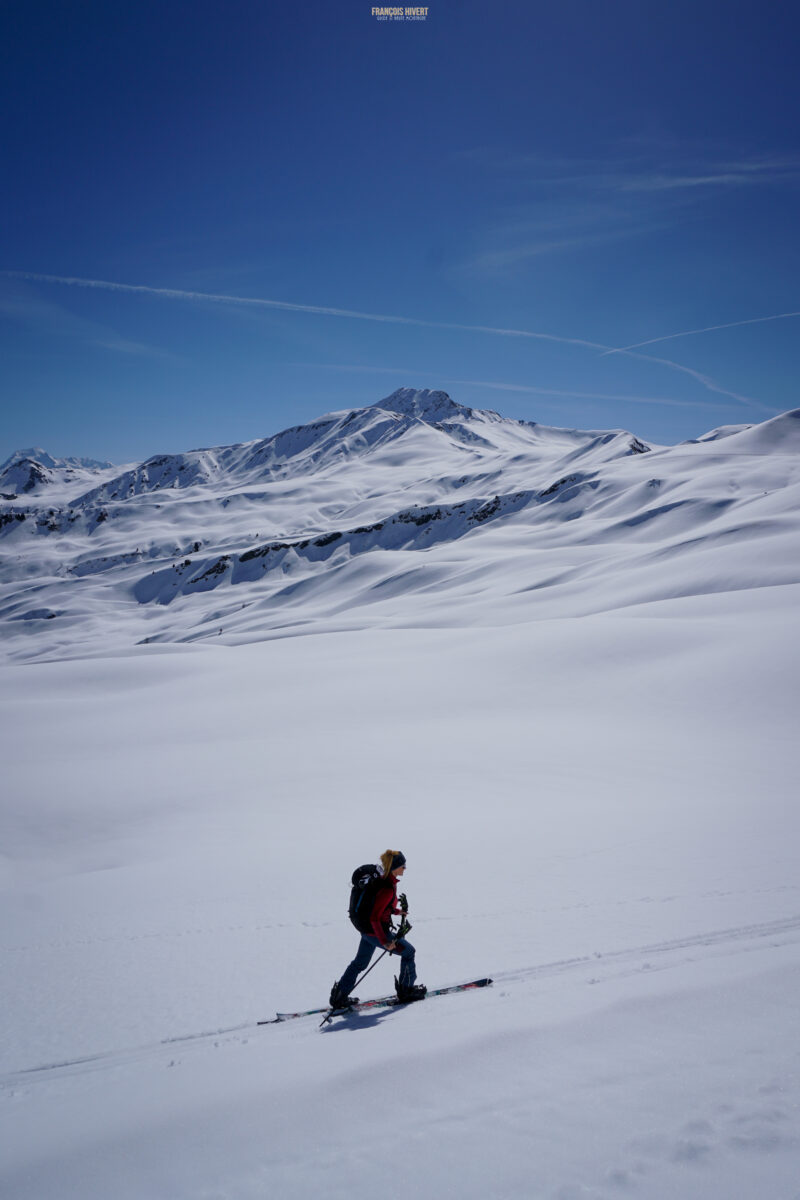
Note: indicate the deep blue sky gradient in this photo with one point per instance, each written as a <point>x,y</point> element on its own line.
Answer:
<point>609,173</point>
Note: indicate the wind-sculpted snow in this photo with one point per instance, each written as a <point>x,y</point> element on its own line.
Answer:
<point>409,510</point>
<point>413,529</point>
<point>781,433</point>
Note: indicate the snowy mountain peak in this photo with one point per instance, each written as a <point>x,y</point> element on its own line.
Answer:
<point>23,474</point>
<point>34,470</point>
<point>32,453</point>
<point>423,403</point>
<point>35,454</point>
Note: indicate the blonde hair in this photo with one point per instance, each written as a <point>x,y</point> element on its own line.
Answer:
<point>387,858</point>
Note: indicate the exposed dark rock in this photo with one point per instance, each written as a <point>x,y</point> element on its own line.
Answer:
<point>327,539</point>
<point>419,517</point>
<point>487,511</point>
<point>217,568</point>
<point>554,487</point>
<point>9,518</point>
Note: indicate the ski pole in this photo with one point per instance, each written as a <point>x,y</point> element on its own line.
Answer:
<point>405,927</point>
<point>366,973</point>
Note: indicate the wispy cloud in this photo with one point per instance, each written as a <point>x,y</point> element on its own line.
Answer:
<point>515,251</point>
<point>527,231</point>
<point>645,168</point>
<point>566,204</point>
<point>712,174</point>
<point>500,260</point>
<point>324,310</point>
<point>33,311</point>
<point>667,337</point>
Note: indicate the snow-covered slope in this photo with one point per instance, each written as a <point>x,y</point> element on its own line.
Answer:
<point>599,813</point>
<point>414,510</point>
<point>558,669</point>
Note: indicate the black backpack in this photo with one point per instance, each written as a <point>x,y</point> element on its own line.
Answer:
<point>365,882</point>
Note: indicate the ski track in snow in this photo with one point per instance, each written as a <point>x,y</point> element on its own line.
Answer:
<point>465,915</point>
<point>605,965</point>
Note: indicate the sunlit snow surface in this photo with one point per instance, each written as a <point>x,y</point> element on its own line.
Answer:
<point>572,702</point>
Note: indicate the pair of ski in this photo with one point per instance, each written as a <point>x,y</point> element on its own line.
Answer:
<point>382,1002</point>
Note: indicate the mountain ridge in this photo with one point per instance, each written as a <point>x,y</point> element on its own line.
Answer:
<point>396,511</point>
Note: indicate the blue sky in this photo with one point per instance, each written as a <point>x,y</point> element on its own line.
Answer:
<point>525,186</point>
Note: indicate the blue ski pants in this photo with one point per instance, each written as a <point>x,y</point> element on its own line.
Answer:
<point>366,948</point>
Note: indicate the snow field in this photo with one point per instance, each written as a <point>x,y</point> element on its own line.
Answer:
<point>597,812</point>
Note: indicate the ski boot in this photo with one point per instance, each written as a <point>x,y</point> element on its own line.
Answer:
<point>340,1000</point>
<point>407,994</point>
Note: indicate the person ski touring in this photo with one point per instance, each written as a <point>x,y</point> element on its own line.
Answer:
<point>375,928</point>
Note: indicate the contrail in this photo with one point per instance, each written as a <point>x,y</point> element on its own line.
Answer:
<point>544,391</point>
<point>705,380</point>
<point>414,373</point>
<point>178,294</point>
<point>286,305</point>
<point>708,329</point>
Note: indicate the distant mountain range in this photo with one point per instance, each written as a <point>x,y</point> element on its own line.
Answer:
<point>34,469</point>
<point>414,510</point>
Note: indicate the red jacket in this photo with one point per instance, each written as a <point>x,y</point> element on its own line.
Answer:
<point>384,908</point>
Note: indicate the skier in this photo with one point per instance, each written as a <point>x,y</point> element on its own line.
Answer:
<point>380,937</point>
